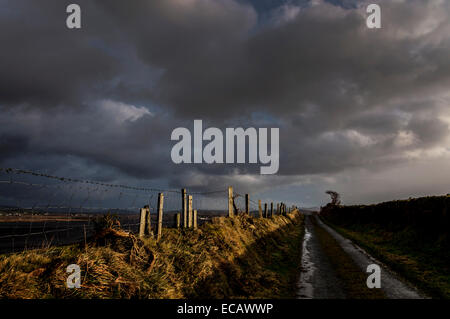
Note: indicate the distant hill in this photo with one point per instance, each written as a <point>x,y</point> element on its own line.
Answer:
<point>310,209</point>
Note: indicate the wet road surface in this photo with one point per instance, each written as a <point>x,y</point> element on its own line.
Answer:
<point>318,278</point>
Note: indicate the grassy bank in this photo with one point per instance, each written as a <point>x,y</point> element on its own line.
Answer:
<point>242,257</point>
<point>410,236</point>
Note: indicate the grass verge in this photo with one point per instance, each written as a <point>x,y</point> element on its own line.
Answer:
<point>239,257</point>
<point>424,264</point>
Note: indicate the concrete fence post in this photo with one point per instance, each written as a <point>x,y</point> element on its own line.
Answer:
<point>184,206</point>
<point>190,211</point>
<point>142,222</point>
<point>178,220</point>
<point>230,202</point>
<point>195,219</point>
<point>148,222</point>
<point>160,215</point>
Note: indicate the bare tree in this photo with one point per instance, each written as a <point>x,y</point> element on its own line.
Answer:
<point>335,197</point>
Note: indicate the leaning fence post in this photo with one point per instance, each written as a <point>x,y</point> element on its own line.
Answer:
<point>178,219</point>
<point>271,209</point>
<point>160,215</point>
<point>259,208</point>
<point>247,208</point>
<point>265,210</point>
<point>190,211</point>
<point>230,202</point>
<point>142,221</point>
<point>195,219</point>
<point>184,206</point>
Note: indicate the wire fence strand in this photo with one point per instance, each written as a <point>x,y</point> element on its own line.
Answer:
<point>38,208</point>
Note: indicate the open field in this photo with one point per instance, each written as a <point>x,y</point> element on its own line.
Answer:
<point>37,218</point>
<point>26,231</point>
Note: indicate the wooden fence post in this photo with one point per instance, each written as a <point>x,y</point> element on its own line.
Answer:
<point>271,209</point>
<point>184,206</point>
<point>143,219</point>
<point>230,202</point>
<point>195,219</point>
<point>160,215</point>
<point>190,211</point>
<point>278,208</point>
<point>247,208</point>
<point>178,220</point>
<point>259,208</point>
<point>265,210</point>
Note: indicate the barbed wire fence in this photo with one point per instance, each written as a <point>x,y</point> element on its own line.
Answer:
<point>38,210</point>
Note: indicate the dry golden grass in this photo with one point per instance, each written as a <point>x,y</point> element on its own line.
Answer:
<point>242,257</point>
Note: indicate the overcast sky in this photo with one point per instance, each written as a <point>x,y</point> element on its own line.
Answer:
<point>365,112</point>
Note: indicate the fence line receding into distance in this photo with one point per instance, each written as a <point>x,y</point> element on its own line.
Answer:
<point>39,210</point>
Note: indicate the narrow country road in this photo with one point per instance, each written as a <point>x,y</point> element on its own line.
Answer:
<point>335,268</point>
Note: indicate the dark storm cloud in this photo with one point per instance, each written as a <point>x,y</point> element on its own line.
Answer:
<point>215,63</point>
<point>343,96</point>
<point>430,130</point>
<point>43,63</point>
<point>101,134</point>
<point>11,144</point>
